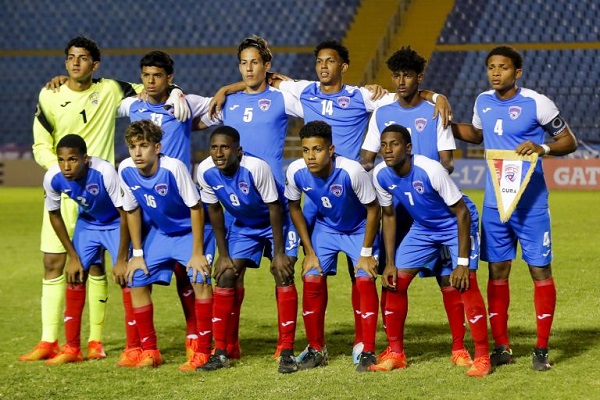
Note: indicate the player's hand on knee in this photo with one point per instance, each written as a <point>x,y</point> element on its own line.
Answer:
<point>200,267</point>
<point>118,273</point>
<point>459,278</point>
<point>367,264</point>
<point>74,270</point>
<point>134,264</point>
<point>282,268</point>
<point>221,266</point>
<point>311,261</point>
<point>388,277</point>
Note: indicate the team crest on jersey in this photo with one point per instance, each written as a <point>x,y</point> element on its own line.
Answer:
<point>514,112</point>
<point>162,189</point>
<point>419,187</point>
<point>94,98</point>
<point>389,123</point>
<point>93,188</point>
<point>336,189</point>
<point>511,172</point>
<point>244,187</point>
<point>420,124</point>
<point>343,101</point>
<point>264,104</point>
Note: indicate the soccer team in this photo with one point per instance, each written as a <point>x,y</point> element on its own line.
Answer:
<point>154,221</point>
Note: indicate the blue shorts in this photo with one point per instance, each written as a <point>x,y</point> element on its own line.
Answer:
<point>530,227</point>
<point>90,244</point>
<point>254,243</point>
<point>327,245</point>
<point>161,251</point>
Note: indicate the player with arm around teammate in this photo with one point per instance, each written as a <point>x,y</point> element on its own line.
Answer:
<point>441,217</point>
<point>162,188</point>
<point>93,184</point>
<point>246,187</point>
<point>508,117</point>
<point>348,221</point>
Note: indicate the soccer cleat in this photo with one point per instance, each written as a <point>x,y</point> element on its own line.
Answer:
<point>366,360</point>
<point>287,364</point>
<point>481,367</point>
<point>42,351</point>
<point>356,352</point>
<point>130,357</point>
<point>67,355</point>
<point>313,359</point>
<point>149,358</point>
<point>234,351</point>
<point>214,363</point>
<point>190,348</point>
<point>198,360</point>
<point>501,355</point>
<point>540,359</point>
<point>383,354</point>
<point>461,358</point>
<point>95,350</point>
<point>390,361</point>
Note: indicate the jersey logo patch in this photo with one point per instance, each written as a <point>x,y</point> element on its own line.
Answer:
<point>419,187</point>
<point>93,188</point>
<point>343,101</point>
<point>389,123</point>
<point>162,189</point>
<point>264,104</point>
<point>514,112</point>
<point>420,124</point>
<point>336,189</point>
<point>244,187</point>
<point>94,98</point>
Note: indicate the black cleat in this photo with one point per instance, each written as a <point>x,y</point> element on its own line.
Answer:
<point>366,359</point>
<point>540,359</point>
<point>214,363</point>
<point>501,355</point>
<point>313,359</point>
<point>287,364</point>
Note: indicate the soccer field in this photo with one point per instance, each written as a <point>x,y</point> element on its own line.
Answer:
<point>574,346</point>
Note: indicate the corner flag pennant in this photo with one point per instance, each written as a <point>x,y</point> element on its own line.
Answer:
<point>510,175</point>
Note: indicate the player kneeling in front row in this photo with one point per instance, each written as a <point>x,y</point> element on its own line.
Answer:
<point>162,188</point>
<point>441,217</point>
<point>246,187</point>
<point>93,183</point>
<point>347,219</point>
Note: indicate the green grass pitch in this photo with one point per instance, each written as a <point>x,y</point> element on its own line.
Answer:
<point>575,343</point>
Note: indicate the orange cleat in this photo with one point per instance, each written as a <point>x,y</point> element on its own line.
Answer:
<point>42,351</point>
<point>461,358</point>
<point>390,361</point>
<point>149,358</point>
<point>384,353</point>
<point>130,357</point>
<point>95,350</point>
<point>198,360</point>
<point>481,367</point>
<point>67,355</point>
<point>190,348</point>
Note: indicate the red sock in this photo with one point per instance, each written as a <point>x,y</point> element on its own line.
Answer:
<point>396,308</point>
<point>544,298</point>
<point>323,312</point>
<point>74,303</point>
<point>358,334</point>
<point>369,310</point>
<point>287,311</point>
<point>498,301</point>
<point>187,297</point>
<point>131,332</point>
<point>234,319</point>
<point>314,298</point>
<point>382,306</point>
<point>475,309</point>
<point>222,306</point>
<point>204,308</point>
<point>144,318</point>
<point>455,311</point>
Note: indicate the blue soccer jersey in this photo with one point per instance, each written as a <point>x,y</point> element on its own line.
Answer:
<point>340,198</point>
<point>261,119</point>
<point>176,140</point>
<point>165,197</point>
<point>97,193</point>
<point>508,123</point>
<point>426,192</point>
<point>245,194</point>
<point>347,112</point>
<point>428,136</point>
